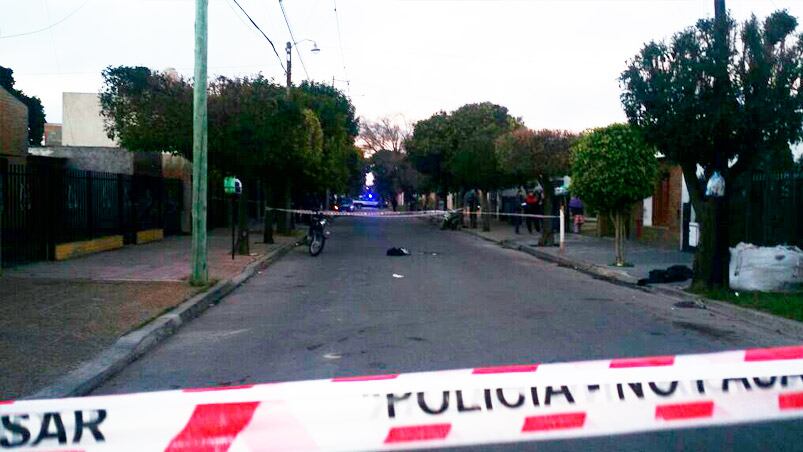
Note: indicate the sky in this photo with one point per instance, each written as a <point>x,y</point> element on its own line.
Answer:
<point>554,63</point>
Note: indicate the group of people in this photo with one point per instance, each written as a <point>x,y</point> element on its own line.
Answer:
<point>533,204</point>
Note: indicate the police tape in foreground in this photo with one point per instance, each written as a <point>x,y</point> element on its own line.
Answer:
<point>523,402</point>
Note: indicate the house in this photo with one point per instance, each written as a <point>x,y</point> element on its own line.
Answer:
<point>13,128</point>
<point>52,134</point>
<point>666,218</point>
<point>81,143</point>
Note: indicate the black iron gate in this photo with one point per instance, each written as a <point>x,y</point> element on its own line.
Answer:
<point>26,215</point>
<point>44,206</point>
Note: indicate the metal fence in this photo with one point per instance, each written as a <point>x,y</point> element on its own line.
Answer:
<point>767,209</point>
<point>44,206</point>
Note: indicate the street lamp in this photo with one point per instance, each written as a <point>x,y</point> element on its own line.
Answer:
<point>289,49</point>
<point>314,49</point>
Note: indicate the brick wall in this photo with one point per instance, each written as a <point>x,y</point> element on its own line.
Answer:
<point>13,125</point>
<point>52,134</point>
<point>665,229</point>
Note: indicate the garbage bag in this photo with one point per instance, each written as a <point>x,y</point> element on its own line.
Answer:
<point>398,252</point>
<point>715,186</point>
<point>766,269</point>
<point>675,273</point>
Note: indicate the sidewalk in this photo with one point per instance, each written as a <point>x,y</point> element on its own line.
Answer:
<point>54,316</point>
<point>592,251</point>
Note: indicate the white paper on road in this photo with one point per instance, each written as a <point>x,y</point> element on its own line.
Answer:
<point>521,402</point>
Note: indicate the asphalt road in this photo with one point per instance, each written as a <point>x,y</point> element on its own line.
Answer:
<point>462,302</point>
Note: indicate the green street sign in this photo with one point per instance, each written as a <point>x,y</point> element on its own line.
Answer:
<point>232,186</point>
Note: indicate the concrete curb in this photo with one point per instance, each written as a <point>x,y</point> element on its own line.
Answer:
<point>128,348</point>
<point>760,319</point>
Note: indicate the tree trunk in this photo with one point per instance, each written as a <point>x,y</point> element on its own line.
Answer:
<point>243,236</point>
<point>283,217</point>
<point>712,257</point>
<point>547,237</point>
<point>267,225</point>
<point>485,209</point>
<point>713,254</point>
<point>618,242</point>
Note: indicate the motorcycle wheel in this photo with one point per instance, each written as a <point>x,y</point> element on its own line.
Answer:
<point>316,243</point>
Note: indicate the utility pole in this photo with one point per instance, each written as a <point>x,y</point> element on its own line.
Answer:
<point>289,70</point>
<point>719,10</point>
<point>199,272</point>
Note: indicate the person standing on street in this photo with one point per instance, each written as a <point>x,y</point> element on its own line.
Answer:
<point>576,210</point>
<point>470,201</point>
<point>517,208</point>
<point>531,208</point>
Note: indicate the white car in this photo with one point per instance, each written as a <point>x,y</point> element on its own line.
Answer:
<point>361,202</point>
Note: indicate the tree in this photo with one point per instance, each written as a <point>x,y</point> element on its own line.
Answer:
<point>304,141</point>
<point>36,112</point>
<point>526,155</point>
<point>612,168</point>
<point>393,174</point>
<point>472,162</point>
<point>429,148</point>
<point>724,99</point>
<point>340,127</point>
<point>383,134</point>
<point>261,137</point>
<point>356,168</point>
<point>146,110</point>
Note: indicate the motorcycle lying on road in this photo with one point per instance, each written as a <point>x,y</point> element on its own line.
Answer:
<point>317,234</point>
<point>451,219</point>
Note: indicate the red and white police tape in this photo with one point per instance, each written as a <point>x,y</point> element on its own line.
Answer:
<point>521,402</point>
<point>403,214</point>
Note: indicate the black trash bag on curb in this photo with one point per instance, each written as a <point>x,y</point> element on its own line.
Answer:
<point>675,273</point>
<point>398,252</point>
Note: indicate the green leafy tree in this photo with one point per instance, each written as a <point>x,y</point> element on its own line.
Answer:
<point>356,168</point>
<point>36,112</point>
<point>340,127</point>
<point>473,162</point>
<point>723,98</point>
<point>261,137</point>
<point>429,148</point>
<point>147,111</point>
<point>612,168</point>
<point>526,155</point>
<point>292,145</point>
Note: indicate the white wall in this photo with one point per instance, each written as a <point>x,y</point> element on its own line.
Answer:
<point>82,123</point>
<point>647,217</point>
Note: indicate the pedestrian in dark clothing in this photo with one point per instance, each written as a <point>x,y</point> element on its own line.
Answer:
<point>516,208</point>
<point>531,208</point>
<point>577,212</point>
<point>472,203</point>
<point>539,210</point>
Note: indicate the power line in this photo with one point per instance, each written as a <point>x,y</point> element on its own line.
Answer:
<point>49,26</point>
<point>298,52</point>
<point>340,41</point>
<point>263,34</point>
